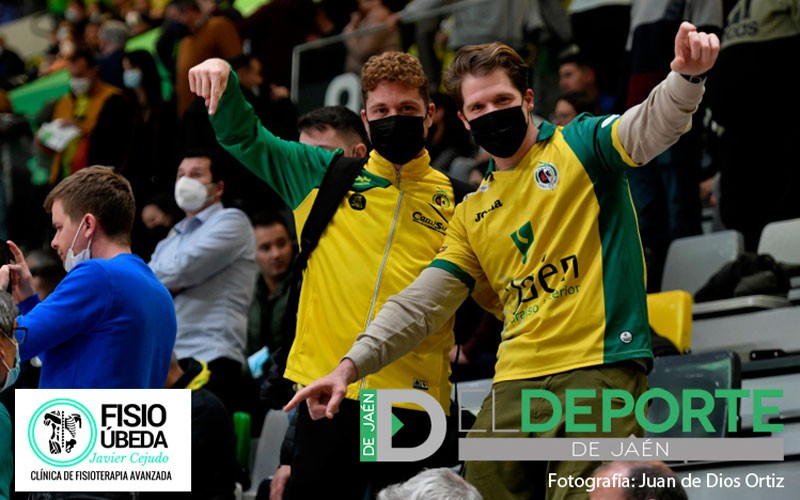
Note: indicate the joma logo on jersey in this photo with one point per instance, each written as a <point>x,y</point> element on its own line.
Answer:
<point>480,215</point>
<point>523,239</point>
<point>438,226</point>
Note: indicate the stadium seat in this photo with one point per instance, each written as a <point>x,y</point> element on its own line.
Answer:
<point>692,260</point>
<point>670,315</point>
<point>707,371</point>
<point>781,240</point>
<point>268,448</point>
<point>774,329</point>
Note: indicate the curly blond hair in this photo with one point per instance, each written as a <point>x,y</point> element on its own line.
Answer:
<point>397,67</point>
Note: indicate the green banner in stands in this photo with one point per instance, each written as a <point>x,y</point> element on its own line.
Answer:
<point>29,98</point>
<point>247,7</point>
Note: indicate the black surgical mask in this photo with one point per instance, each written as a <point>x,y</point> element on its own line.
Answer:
<point>398,138</point>
<point>500,132</point>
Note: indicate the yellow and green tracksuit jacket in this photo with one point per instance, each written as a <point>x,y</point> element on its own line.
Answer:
<point>385,231</point>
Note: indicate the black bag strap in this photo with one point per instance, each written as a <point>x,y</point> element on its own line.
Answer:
<point>338,179</point>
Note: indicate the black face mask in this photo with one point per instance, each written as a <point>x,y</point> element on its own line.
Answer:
<point>500,132</point>
<point>398,138</point>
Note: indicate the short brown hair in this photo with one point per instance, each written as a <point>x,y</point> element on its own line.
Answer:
<point>480,60</point>
<point>102,192</point>
<point>392,66</point>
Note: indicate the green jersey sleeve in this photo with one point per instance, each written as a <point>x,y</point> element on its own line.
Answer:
<point>456,255</point>
<point>291,169</point>
<point>595,140</point>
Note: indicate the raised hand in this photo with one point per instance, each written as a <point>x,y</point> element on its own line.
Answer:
<point>695,52</point>
<point>208,80</point>
<point>19,274</point>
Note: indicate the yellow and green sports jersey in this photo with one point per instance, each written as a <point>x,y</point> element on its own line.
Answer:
<point>386,230</point>
<point>557,240</point>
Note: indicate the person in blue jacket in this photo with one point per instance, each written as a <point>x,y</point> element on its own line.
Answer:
<point>110,323</point>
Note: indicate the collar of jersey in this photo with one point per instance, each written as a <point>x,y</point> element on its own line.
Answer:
<point>546,131</point>
<point>415,169</point>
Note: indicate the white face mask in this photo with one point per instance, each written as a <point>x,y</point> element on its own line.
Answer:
<point>12,373</point>
<point>132,78</point>
<point>190,194</point>
<point>85,254</point>
<point>80,86</point>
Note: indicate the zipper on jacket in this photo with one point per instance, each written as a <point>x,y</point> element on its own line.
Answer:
<point>385,256</point>
<point>363,382</point>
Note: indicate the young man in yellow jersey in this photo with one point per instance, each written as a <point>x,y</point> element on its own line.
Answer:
<point>553,231</point>
<point>384,233</point>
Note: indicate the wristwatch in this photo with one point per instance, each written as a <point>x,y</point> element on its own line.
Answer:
<point>695,78</point>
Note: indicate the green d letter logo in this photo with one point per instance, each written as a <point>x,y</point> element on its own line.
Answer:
<point>376,433</point>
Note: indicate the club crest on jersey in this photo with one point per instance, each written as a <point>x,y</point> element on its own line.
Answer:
<point>440,198</point>
<point>357,201</point>
<point>546,176</point>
